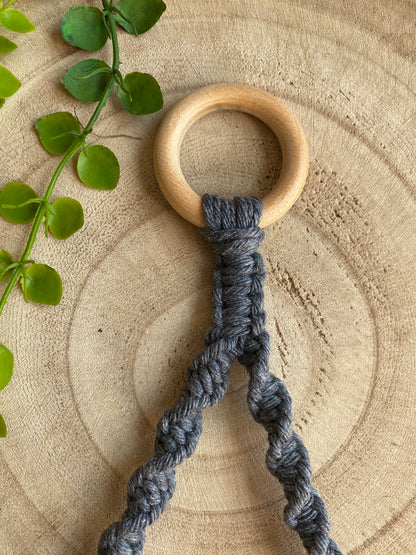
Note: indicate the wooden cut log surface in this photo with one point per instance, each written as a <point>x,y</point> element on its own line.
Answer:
<point>94,374</point>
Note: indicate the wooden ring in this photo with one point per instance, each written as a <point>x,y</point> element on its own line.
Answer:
<point>244,98</point>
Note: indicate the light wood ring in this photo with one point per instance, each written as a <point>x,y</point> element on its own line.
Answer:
<point>244,98</point>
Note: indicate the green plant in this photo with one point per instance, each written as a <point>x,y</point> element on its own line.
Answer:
<point>60,133</point>
<point>16,21</point>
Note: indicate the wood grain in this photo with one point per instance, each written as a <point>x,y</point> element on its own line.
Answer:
<point>94,374</point>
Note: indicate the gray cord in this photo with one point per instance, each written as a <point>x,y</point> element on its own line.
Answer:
<point>238,332</point>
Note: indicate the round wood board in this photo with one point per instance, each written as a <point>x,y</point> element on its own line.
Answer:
<point>94,374</point>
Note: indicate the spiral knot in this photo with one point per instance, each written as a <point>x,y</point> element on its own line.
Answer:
<point>122,538</point>
<point>148,493</point>
<point>208,379</point>
<point>177,434</point>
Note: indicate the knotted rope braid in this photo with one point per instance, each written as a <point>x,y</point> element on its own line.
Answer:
<point>238,332</point>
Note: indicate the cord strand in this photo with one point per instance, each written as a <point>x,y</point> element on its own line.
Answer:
<point>152,485</point>
<point>287,458</point>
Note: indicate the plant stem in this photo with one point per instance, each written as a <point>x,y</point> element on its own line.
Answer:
<point>70,153</point>
<point>36,200</point>
<point>111,81</point>
<point>9,3</point>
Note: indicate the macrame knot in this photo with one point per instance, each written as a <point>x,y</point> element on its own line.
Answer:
<point>122,538</point>
<point>234,242</point>
<point>238,332</point>
<point>148,492</point>
<point>232,225</point>
<point>233,233</point>
<point>177,435</point>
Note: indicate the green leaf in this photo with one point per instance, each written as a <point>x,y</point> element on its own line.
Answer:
<point>3,429</point>
<point>2,101</point>
<point>16,21</point>
<point>83,26</point>
<point>98,167</point>
<point>16,193</point>
<point>56,131</point>
<point>5,261</point>
<point>65,217</point>
<point>139,15</point>
<point>87,80</point>
<point>6,45</point>
<point>145,96</point>
<point>6,366</point>
<point>9,84</point>
<point>42,284</point>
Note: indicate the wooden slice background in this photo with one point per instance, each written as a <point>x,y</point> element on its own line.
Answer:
<point>94,374</point>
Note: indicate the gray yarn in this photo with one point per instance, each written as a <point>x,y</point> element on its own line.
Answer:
<point>237,333</point>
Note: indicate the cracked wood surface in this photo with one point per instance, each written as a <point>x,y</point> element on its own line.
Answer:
<point>94,374</point>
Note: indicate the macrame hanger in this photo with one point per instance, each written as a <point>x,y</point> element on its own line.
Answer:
<point>233,227</point>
